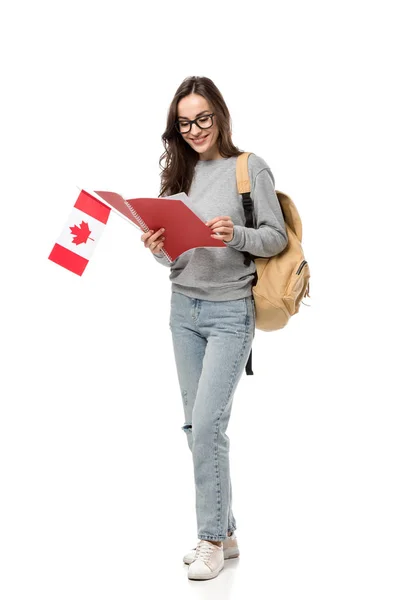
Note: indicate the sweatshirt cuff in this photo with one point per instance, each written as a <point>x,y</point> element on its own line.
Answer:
<point>237,239</point>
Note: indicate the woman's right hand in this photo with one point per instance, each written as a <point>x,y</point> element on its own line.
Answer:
<point>153,241</point>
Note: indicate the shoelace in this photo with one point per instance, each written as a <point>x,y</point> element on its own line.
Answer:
<point>203,551</point>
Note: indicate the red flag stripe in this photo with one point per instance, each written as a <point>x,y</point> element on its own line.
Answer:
<point>92,207</point>
<point>67,259</point>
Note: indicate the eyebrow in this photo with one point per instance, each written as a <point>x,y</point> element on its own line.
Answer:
<point>200,113</point>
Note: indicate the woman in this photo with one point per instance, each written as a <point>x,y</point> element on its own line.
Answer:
<point>212,318</point>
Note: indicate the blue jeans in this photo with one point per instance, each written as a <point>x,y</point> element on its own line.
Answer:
<point>212,342</point>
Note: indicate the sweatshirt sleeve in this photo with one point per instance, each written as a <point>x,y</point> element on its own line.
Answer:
<point>269,236</point>
<point>163,260</point>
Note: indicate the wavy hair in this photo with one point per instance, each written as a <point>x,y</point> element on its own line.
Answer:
<point>179,157</point>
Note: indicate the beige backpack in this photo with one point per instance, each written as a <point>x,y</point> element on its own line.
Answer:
<point>281,281</point>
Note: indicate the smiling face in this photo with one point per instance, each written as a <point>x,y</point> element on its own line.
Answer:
<point>191,107</point>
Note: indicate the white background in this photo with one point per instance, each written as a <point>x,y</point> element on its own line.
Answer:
<point>97,494</point>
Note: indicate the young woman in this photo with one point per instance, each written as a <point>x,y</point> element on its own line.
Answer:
<point>212,314</point>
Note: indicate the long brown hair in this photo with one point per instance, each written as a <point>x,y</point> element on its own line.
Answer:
<point>180,158</point>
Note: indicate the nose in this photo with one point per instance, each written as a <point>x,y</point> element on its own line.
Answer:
<point>194,133</point>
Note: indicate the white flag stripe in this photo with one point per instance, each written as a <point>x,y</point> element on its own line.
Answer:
<point>66,238</point>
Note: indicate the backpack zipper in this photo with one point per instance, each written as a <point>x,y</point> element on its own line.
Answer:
<point>304,262</point>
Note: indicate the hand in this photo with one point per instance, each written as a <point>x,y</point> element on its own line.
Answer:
<point>153,241</point>
<point>224,226</point>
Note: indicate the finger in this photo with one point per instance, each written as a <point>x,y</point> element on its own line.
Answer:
<point>155,244</point>
<point>150,236</point>
<point>223,230</point>
<point>146,235</point>
<point>157,247</point>
<point>157,234</point>
<point>220,218</point>
<point>224,219</point>
<point>152,244</point>
<point>221,223</point>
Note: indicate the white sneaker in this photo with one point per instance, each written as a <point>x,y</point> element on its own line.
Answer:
<point>208,561</point>
<point>229,545</point>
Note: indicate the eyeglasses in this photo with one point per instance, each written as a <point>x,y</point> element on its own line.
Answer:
<point>204,122</point>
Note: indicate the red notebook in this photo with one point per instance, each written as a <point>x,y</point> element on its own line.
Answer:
<point>184,229</point>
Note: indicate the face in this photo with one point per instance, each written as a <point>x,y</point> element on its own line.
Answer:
<point>190,107</point>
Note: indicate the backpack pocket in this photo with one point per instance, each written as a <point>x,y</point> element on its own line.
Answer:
<point>297,287</point>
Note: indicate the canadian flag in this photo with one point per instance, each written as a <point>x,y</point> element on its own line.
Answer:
<point>81,233</point>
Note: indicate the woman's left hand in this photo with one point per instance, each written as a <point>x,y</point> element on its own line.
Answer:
<point>222,225</point>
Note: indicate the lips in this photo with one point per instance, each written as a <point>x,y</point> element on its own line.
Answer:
<point>199,139</point>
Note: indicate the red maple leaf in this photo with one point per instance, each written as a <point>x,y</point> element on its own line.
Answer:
<point>81,233</point>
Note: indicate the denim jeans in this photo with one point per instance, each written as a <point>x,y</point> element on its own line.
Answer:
<point>212,342</point>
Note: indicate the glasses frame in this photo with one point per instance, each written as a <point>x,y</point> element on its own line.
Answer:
<point>195,121</point>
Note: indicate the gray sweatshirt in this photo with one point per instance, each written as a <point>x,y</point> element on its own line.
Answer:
<point>220,273</point>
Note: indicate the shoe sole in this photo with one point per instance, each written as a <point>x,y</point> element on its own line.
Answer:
<point>210,576</point>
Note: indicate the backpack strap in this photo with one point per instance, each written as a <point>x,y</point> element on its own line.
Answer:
<point>244,188</point>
